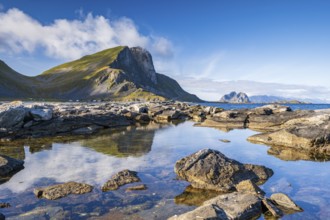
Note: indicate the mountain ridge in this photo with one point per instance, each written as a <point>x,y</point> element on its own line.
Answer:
<point>120,74</point>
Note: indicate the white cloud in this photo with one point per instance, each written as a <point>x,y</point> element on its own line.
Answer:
<point>71,39</point>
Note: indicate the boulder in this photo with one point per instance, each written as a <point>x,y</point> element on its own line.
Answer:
<point>121,178</point>
<point>210,169</point>
<point>247,186</point>
<point>13,117</point>
<point>285,202</point>
<point>41,114</point>
<point>9,166</point>
<point>2,216</point>
<point>62,190</point>
<point>229,206</point>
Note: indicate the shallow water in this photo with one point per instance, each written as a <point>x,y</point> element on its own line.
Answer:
<point>152,151</point>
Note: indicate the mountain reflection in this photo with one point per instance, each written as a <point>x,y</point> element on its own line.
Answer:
<point>131,141</point>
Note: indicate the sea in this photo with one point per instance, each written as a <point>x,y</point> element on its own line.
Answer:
<point>152,151</point>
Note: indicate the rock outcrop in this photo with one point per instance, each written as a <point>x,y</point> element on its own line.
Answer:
<point>234,97</point>
<point>121,178</point>
<point>61,190</point>
<point>9,166</point>
<point>210,169</point>
<point>21,120</point>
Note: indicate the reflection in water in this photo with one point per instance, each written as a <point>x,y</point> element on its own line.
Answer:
<point>151,151</point>
<point>16,152</point>
<point>195,197</point>
<point>131,141</point>
<point>296,154</point>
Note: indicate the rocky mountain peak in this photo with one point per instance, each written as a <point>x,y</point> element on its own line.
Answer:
<point>138,62</point>
<point>144,59</point>
<point>234,97</point>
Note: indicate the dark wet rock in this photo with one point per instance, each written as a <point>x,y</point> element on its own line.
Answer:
<point>62,190</point>
<point>4,205</point>
<point>269,206</point>
<point>2,216</point>
<point>283,201</point>
<point>87,130</point>
<point>12,116</point>
<point>121,178</point>
<point>41,114</point>
<point>247,186</point>
<point>229,206</point>
<point>210,169</point>
<point>43,212</point>
<point>9,166</point>
<point>138,187</point>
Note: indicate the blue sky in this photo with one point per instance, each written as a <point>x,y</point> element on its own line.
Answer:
<point>283,42</point>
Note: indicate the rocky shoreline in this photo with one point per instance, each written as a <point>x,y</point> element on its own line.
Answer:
<point>284,130</point>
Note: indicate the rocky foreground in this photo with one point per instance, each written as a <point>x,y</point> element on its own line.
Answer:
<point>286,131</point>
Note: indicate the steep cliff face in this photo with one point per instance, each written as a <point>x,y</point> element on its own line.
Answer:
<point>119,73</point>
<point>234,97</point>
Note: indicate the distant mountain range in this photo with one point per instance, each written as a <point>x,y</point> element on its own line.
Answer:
<point>241,97</point>
<point>119,73</point>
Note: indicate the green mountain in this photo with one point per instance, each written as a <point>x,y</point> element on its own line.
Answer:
<point>119,73</point>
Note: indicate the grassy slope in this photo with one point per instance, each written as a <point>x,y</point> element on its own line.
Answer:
<point>78,74</point>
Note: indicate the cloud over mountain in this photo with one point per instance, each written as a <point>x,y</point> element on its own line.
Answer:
<point>71,39</point>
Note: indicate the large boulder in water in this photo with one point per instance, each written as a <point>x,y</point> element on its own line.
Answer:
<point>210,169</point>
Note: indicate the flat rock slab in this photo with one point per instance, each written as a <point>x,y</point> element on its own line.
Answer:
<point>9,165</point>
<point>120,179</point>
<point>229,206</point>
<point>210,169</point>
<point>62,190</point>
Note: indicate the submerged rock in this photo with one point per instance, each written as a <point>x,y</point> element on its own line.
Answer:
<point>9,166</point>
<point>120,179</point>
<point>62,190</point>
<point>44,212</point>
<point>4,205</point>
<point>210,169</point>
<point>138,187</point>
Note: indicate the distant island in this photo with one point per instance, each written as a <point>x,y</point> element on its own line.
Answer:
<point>242,98</point>
<point>234,97</point>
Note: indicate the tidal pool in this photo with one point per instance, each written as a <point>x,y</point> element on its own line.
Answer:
<point>151,151</point>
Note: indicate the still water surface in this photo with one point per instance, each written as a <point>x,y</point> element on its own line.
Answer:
<point>152,151</point>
